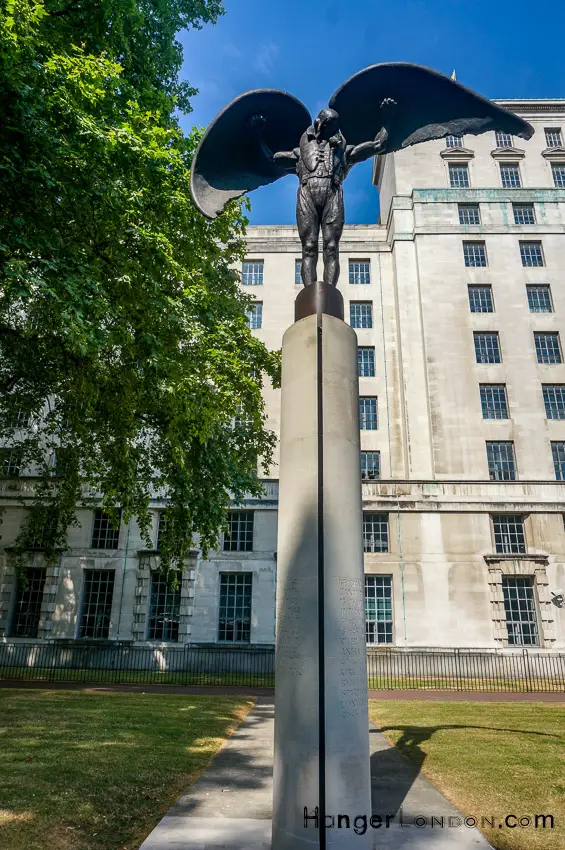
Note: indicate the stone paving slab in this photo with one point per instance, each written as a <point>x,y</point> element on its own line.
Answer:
<point>230,806</point>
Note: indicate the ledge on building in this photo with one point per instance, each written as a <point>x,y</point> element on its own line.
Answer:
<point>517,556</point>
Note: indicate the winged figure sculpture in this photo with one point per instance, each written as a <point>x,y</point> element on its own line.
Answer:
<point>264,134</point>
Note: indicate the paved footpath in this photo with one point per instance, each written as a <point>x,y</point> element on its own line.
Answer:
<point>229,807</point>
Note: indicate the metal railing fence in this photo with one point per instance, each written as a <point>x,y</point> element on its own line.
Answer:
<point>388,668</point>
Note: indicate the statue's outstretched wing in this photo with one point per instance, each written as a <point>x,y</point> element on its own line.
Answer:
<point>231,158</point>
<point>429,106</point>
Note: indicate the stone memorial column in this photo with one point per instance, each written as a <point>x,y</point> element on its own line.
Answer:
<point>321,708</point>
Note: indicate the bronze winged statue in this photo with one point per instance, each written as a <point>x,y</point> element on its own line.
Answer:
<point>264,134</point>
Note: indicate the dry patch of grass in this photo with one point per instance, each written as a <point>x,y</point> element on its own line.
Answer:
<point>84,771</point>
<point>489,759</point>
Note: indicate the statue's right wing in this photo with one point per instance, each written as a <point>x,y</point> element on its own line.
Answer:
<point>233,155</point>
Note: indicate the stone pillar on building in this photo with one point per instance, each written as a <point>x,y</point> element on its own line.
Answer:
<point>321,709</point>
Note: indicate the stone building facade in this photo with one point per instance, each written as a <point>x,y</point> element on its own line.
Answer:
<point>457,297</point>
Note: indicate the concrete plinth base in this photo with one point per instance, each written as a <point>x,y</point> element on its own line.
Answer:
<point>321,720</point>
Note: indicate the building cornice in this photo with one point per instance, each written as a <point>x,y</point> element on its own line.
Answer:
<point>507,154</point>
<point>537,106</point>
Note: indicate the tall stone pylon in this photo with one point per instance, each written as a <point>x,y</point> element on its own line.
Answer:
<point>321,767</point>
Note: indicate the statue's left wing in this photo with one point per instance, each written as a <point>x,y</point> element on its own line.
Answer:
<point>429,105</point>
<point>234,155</point>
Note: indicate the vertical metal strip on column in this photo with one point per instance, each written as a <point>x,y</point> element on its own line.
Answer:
<point>321,624</point>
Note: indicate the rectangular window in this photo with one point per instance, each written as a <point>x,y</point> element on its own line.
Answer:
<point>475,254</point>
<point>375,532</point>
<point>255,315</point>
<point>368,413</point>
<point>531,254</point>
<point>361,314</point>
<point>454,141</point>
<point>553,137</point>
<point>539,298</point>
<point>104,536</point>
<point>27,608</point>
<point>298,272</point>
<point>501,462</point>
<point>234,623</point>
<point>524,214</point>
<point>510,175</point>
<point>359,271</point>
<point>493,401</point>
<point>554,400</point>
<point>487,347</point>
<point>469,214</point>
<point>509,534</point>
<point>161,528</point>
<point>548,349</point>
<point>10,462</point>
<point>503,140</point>
<point>558,452</point>
<point>558,171</point>
<point>366,361</point>
<point>20,419</point>
<point>458,176</point>
<point>96,604</point>
<point>164,610</point>
<point>252,273</point>
<point>480,299</point>
<point>370,466</point>
<point>520,610</point>
<point>239,536</point>
<point>378,609</point>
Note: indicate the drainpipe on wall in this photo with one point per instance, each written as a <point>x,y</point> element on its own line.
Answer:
<point>401,562</point>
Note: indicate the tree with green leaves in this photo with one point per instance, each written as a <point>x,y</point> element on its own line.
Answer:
<point>124,347</point>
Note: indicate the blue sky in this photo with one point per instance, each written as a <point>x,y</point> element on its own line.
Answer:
<point>309,47</point>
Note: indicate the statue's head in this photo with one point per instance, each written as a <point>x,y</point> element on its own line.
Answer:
<point>326,124</point>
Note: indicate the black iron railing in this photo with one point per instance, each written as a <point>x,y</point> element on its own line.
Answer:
<point>388,668</point>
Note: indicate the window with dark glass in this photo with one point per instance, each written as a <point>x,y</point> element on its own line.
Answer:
<point>554,400</point>
<point>504,140</point>
<point>475,254</point>
<point>359,271</point>
<point>469,214</point>
<point>366,361</point>
<point>548,349</point>
<point>161,528</point>
<point>480,298</point>
<point>558,453</point>
<point>255,315</point>
<point>252,273</point>
<point>239,536</point>
<point>378,609</point>
<point>104,536</point>
<point>298,272</point>
<point>553,137</point>
<point>27,607</point>
<point>558,171</point>
<point>96,609</point>
<point>520,610</point>
<point>452,141</point>
<point>458,176</point>
<point>501,462</point>
<point>509,536</point>
<point>10,462</point>
<point>539,298</point>
<point>361,314</point>
<point>487,347</point>
<point>235,607</point>
<point>510,175</point>
<point>375,532</point>
<point>368,413</point>
<point>493,401</point>
<point>531,254</point>
<point>164,609</point>
<point>370,465</point>
<point>524,213</point>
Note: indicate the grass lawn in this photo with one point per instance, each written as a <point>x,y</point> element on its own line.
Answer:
<point>488,759</point>
<point>82,771</point>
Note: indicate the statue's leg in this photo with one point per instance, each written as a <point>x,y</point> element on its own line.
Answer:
<point>332,227</point>
<point>308,221</point>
